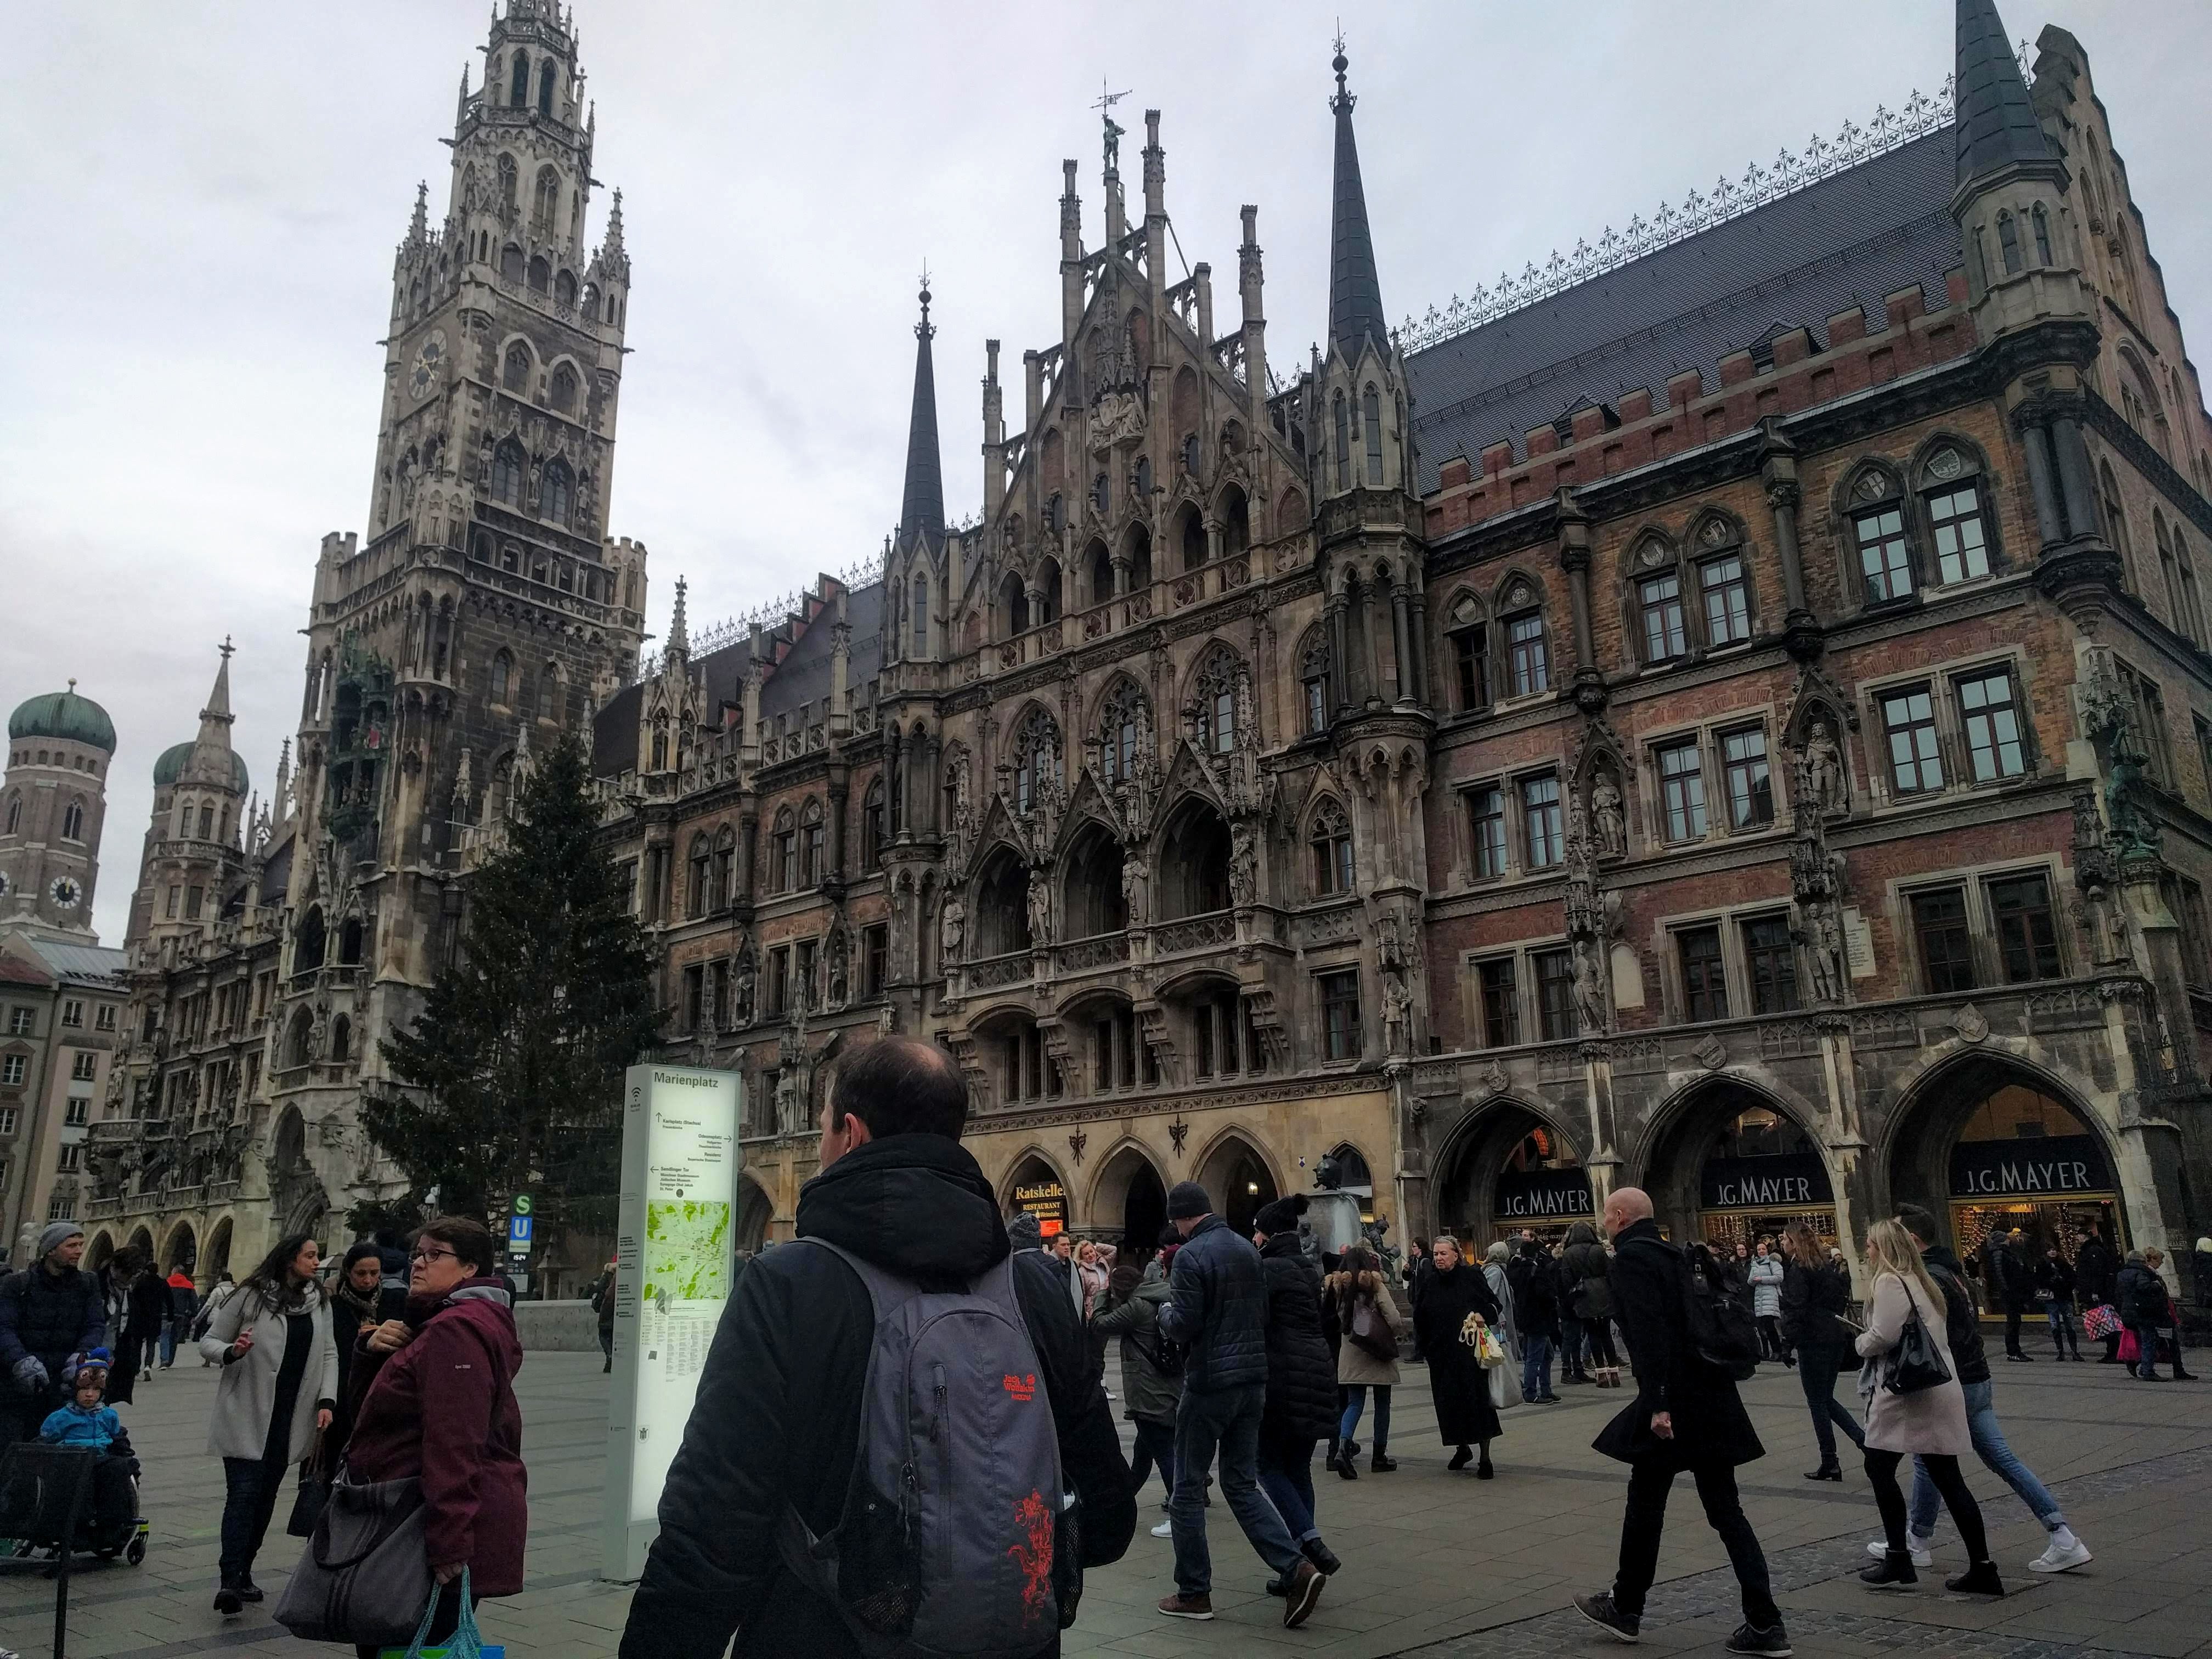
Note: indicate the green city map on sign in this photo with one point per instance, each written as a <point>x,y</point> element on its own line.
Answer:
<point>687,1252</point>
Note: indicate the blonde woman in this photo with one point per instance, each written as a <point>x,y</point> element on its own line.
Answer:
<point>1929,1423</point>
<point>1353,1291</point>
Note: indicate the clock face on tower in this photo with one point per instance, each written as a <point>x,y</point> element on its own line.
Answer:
<point>427,362</point>
<point>66,892</point>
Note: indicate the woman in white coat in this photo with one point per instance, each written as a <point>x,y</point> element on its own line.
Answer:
<point>1929,1423</point>
<point>279,1384</point>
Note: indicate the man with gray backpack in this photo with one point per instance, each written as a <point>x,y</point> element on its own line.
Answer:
<point>900,1443</point>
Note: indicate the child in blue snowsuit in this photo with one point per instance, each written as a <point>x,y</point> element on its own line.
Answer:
<point>87,1421</point>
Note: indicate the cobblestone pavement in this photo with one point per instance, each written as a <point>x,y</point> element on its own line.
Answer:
<point>1435,1564</point>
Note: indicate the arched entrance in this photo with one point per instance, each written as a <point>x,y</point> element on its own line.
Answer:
<point>1989,1147</point>
<point>216,1261</point>
<point>1131,1196</point>
<point>1036,1188</point>
<point>1511,1169</point>
<point>1731,1165</point>
<point>181,1254</point>
<point>756,1210</point>
<point>1193,862</point>
<point>99,1252</point>
<point>1237,1179</point>
<point>141,1246</point>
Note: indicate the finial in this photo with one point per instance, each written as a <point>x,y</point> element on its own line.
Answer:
<point>1339,64</point>
<point>72,684</point>
<point>1114,130</point>
<point>922,330</point>
<point>225,648</point>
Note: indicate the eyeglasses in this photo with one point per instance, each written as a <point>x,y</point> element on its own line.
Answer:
<point>433,1255</point>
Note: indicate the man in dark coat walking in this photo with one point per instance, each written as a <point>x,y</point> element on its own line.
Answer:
<point>49,1311</point>
<point>776,1423</point>
<point>1300,1409</point>
<point>2096,1274</point>
<point>2013,1284</point>
<point>1685,1415</point>
<point>1217,1309</point>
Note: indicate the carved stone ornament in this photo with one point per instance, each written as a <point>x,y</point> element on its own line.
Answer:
<point>1495,1079</point>
<point>1178,1132</point>
<point>1945,463</point>
<point>1970,1024</point>
<point>1711,1054</point>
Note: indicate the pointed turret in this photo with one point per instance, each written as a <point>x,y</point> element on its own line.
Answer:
<point>418,228</point>
<point>215,718</point>
<point>679,641</point>
<point>1355,292</point>
<point>1997,125</point>
<point>921,505</point>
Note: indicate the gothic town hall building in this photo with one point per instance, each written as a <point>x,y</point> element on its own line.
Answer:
<point>1729,713</point>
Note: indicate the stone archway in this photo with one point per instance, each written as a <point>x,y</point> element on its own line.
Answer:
<point>1728,1161</point>
<point>181,1254</point>
<point>756,1211</point>
<point>1129,1201</point>
<point>1508,1167</point>
<point>1237,1178</point>
<point>99,1252</point>
<point>296,1191</point>
<point>142,1246</point>
<point>1035,1188</point>
<point>215,1260</point>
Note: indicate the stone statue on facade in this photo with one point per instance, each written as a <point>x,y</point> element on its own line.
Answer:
<point>1821,769</point>
<point>743,982</point>
<point>1589,986</point>
<point>1606,817</point>
<point>838,971</point>
<point>1039,903</point>
<point>1397,1014</point>
<point>1243,866</point>
<point>951,930</point>
<point>1136,886</point>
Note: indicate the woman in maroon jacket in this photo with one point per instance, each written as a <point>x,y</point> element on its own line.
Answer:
<point>442,1407</point>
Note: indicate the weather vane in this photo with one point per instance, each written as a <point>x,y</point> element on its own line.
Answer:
<point>1105,108</point>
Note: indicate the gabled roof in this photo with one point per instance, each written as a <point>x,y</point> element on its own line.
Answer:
<point>1849,239</point>
<point>77,961</point>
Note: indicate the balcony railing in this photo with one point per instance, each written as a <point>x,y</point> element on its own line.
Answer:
<point>1194,933</point>
<point>1099,951</point>
<point>993,971</point>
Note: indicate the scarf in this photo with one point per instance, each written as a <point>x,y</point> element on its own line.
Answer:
<point>363,1302</point>
<point>287,1299</point>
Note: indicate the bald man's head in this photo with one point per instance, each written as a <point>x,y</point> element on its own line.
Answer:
<point>900,1086</point>
<point>1626,1206</point>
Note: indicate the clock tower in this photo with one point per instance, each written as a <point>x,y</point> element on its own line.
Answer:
<point>486,611</point>
<point>53,797</point>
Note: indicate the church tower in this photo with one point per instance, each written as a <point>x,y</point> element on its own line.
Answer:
<point>194,860</point>
<point>487,612</point>
<point>53,798</point>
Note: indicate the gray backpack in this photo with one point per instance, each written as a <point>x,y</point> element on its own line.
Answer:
<point>956,1537</point>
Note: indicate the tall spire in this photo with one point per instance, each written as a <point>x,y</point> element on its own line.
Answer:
<point>218,703</point>
<point>1355,293</point>
<point>1997,124</point>
<point>921,508</point>
<point>679,641</point>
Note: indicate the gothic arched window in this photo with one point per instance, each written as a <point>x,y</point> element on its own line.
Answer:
<point>2041,220</point>
<point>502,676</point>
<point>15,813</point>
<point>564,384</point>
<point>1037,758</point>
<point>920,604</point>
<point>72,822</point>
<point>511,263</point>
<point>1370,415</point>
<point>516,376</point>
<point>1215,693</point>
<point>1343,442</point>
<point>541,274</point>
<point>1313,678</point>
<point>564,289</point>
<point>508,462</point>
<point>549,692</point>
<point>207,822</point>
<point>2008,242</point>
<point>787,852</point>
<point>872,827</point>
<point>556,492</point>
<point>812,845</point>
<point>518,85</point>
<point>501,798</point>
<point>546,76</point>
<point>1121,724</point>
<point>1331,840</point>
<point>510,185</point>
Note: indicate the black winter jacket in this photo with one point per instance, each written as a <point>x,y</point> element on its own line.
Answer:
<point>777,1421</point>
<point>1535,1278</point>
<point>1711,1424</point>
<point>2142,1296</point>
<point>1583,1267</point>
<point>1217,1309</point>
<point>2096,1268</point>
<point>2058,1279</point>
<point>1962,1323</point>
<point>1301,1375</point>
<point>48,1316</point>
<point>1813,1298</point>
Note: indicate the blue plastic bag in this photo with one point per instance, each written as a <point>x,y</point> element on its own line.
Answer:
<point>465,1642</point>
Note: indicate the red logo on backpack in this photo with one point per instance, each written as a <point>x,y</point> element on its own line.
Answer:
<point>1023,1388</point>
<point>1034,1516</point>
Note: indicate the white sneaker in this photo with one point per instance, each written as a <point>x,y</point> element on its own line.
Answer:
<point>1166,1529</point>
<point>2060,1559</point>
<point>1923,1555</point>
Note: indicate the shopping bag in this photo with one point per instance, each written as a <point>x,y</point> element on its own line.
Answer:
<point>2130,1349</point>
<point>2101,1322</point>
<point>1475,1332</point>
<point>1504,1387</point>
<point>465,1642</point>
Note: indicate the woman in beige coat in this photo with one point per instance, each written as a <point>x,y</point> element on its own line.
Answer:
<point>1929,1423</point>
<point>1354,1290</point>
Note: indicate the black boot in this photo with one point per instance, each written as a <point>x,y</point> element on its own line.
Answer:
<point>1461,1458</point>
<point>228,1600</point>
<point>1380,1464</point>
<point>1979,1579</point>
<point>1323,1557</point>
<point>1829,1471</point>
<point>1344,1466</point>
<point>1482,1470</point>
<point>1893,1572</point>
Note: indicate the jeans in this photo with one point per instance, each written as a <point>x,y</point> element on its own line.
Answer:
<point>1535,1364</point>
<point>249,1498</point>
<point>1943,1474</point>
<point>1772,1344</point>
<point>1155,1444</point>
<point>1355,1402</point>
<point>1286,1476</point>
<point>1999,1459</point>
<point>1817,1365</point>
<point>1646,1518</point>
<point>2147,1340</point>
<point>2063,1334</point>
<point>1226,1421</point>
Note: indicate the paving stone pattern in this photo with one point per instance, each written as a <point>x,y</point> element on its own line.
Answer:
<point>1435,1564</point>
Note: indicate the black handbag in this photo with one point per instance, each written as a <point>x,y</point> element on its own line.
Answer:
<point>366,1571</point>
<point>1916,1362</point>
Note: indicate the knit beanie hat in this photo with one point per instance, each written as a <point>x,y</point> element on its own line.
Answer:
<point>1280,1217</point>
<point>1187,1201</point>
<point>56,1234</point>
<point>91,1362</point>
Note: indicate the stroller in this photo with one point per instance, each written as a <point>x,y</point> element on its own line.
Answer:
<point>50,1494</point>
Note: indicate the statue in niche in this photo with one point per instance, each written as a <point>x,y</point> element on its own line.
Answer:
<point>1397,1014</point>
<point>1607,818</point>
<point>741,994</point>
<point>1040,901</point>
<point>839,970</point>
<point>1243,867</point>
<point>1823,939</point>
<point>1820,764</point>
<point>951,930</point>
<point>1589,986</point>
<point>1136,889</point>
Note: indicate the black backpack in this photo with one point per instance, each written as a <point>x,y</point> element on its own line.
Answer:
<point>1722,1332</point>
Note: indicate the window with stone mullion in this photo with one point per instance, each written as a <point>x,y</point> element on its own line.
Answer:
<point>1666,635</point>
<point>1885,556</point>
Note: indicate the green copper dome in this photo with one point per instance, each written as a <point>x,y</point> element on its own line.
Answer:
<point>170,767</point>
<point>65,715</point>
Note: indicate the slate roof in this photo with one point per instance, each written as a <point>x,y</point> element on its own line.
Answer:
<point>1355,291</point>
<point>1878,226</point>
<point>1997,123</point>
<point>78,962</point>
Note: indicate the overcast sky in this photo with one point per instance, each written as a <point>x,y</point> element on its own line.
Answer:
<point>203,201</point>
